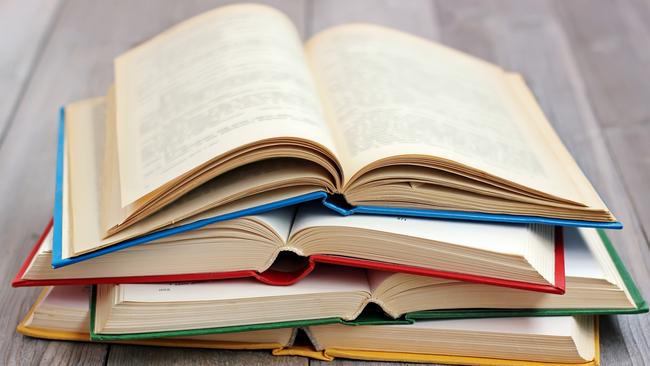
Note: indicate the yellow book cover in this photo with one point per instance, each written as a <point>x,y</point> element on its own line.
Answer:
<point>287,348</point>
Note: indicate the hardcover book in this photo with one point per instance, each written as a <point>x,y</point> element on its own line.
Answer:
<point>282,246</point>
<point>205,123</point>
<point>61,313</point>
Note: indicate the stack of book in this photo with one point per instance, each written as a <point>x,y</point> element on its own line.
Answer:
<point>369,195</point>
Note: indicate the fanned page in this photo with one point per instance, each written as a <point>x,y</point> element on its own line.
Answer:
<point>389,94</point>
<point>241,244</point>
<point>91,196</point>
<point>508,251</point>
<point>326,279</point>
<point>579,255</point>
<point>223,80</point>
<point>63,309</point>
<point>592,283</point>
<point>504,341</point>
<point>279,221</point>
<point>327,293</point>
<point>498,238</point>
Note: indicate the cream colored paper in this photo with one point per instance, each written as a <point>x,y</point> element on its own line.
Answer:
<point>391,94</point>
<point>325,279</point>
<point>222,80</point>
<point>498,238</point>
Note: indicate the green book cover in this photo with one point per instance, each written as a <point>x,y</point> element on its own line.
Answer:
<point>373,315</point>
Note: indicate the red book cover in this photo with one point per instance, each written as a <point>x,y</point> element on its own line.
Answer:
<point>280,278</point>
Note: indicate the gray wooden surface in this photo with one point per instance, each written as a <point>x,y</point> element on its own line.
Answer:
<point>588,63</point>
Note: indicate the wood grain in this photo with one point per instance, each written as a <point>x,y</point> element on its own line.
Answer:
<point>68,353</point>
<point>632,153</point>
<point>20,48</point>
<point>617,84</point>
<point>141,355</point>
<point>416,17</point>
<point>586,63</point>
<point>611,43</point>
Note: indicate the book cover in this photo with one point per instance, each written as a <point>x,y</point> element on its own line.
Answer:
<point>278,278</point>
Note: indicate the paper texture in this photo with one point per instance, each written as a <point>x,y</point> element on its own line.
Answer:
<point>390,94</point>
<point>324,279</point>
<point>223,80</point>
<point>498,238</point>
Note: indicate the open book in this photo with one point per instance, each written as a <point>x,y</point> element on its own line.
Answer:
<point>62,313</point>
<point>339,294</point>
<point>282,246</point>
<point>384,119</point>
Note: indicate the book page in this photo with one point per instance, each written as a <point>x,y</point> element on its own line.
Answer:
<point>579,261</point>
<point>68,297</point>
<point>66,216</point>
<point>599,264</point>
<point>112,213</point>
<point>233,185</point>
<point>495,341</point>
<point>391,94</point>
<point>46,245</point>
<point>376,278</point>
<point>77,299</point>
<point>499,238</point>
<point>84,140</point>
<point>545,325</point>
<point>280,220</point>
<point>227,78</point>
<point>324,279</point>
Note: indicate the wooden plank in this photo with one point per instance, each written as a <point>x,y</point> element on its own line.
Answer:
<point>611,44</point>
<point>626,119</point>
<point>141,355</point>
<point>416,16</point>
<point>642,8</point>
<point>69,353</point>
<point>526,37</point>
<point>630,146</point>
<point>20,46</point>
<point>27,350</point>
<point>76,63</point>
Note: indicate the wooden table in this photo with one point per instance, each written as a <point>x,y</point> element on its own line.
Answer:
<point>588,62</point>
